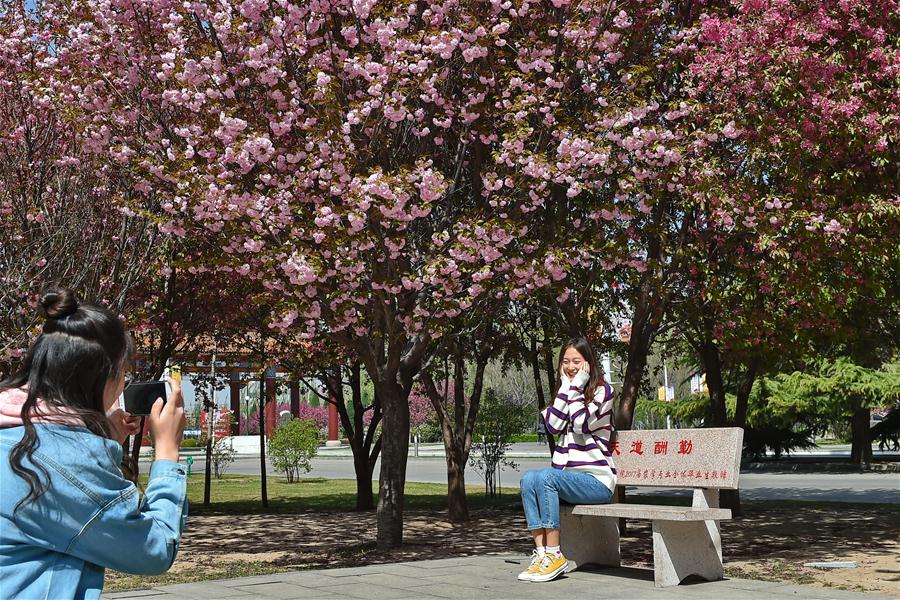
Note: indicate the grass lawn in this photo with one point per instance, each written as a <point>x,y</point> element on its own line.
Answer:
<point>240,494</point>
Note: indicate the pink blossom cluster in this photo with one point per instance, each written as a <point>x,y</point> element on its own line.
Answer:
<point>303,141</point>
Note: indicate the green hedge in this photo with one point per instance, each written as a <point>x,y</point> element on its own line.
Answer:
<point>190,443</point>
<point>524,437</point>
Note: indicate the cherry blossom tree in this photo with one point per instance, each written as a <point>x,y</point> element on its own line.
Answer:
<point>59,217</point>
<point>420,409</point>
<point>800,195</point>
<point>380,167</point>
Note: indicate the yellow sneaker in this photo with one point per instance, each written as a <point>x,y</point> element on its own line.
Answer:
<point>532,568</point>
<point>551,567</point>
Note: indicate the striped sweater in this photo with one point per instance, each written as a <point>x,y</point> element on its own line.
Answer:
<point>586,429</point>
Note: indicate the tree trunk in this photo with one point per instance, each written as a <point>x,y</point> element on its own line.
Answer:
<point>638,348</point>
<point>457,427</point>
<point>743,393</point>
<point>861,448</point>
<point>732,498</point>
<point>457,504</point>
<point>539,387</point>
<point>207,481</point>
<point>363,444</point>
<point>365,499</point>
<point>394,454</point>
<point>712,365</point>
<point>262,438</point>
<point>631,384</point>
<point>550,367</point>
<point>644,324</point>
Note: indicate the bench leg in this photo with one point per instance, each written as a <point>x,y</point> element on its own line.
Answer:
<point>686,548</point>
<point>589,540</point>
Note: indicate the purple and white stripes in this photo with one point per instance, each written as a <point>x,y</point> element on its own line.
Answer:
<point>584,429</point>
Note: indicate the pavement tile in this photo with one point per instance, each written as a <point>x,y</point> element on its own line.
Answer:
<point>463,561</point>
<point>494,589</point>
<point>387,580</point>
<point>481,572</point>
<point>477,593</point>
<point>437,572</point>
<point>243,581</point>
<point>440,591</point>
<point>203,589</point>
<point>280,591</point>
<point>367,591</point>
<point>349,571</point>
<point>404,569</point>
<point>313,579</point>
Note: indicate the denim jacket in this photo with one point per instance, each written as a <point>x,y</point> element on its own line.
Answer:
<point>89,518</point>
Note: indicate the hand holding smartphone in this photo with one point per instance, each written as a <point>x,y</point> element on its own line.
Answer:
<point>139,397</point>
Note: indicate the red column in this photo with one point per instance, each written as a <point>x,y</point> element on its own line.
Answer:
<point>295,398</point>
<point>333,423</point>
<point>235,396</point>
<point>271,401</point>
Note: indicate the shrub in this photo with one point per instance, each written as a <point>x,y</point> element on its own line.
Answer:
<point>498,420</point>
<point>429,432</point>
<point>222,454</point>
<point>190,443</point>
<point>292,446</point>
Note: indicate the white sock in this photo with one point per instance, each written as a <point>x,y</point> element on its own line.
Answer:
<point>554,550</point>
<point>541,550</point>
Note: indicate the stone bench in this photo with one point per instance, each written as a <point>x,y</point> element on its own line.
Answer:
<point>686,539</point>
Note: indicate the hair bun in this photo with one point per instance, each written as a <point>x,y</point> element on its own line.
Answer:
<point>58,303</point>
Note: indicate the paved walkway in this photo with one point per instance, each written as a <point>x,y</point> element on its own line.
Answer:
<point>473,578</point>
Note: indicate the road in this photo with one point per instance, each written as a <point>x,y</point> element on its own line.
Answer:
<point>832,487</point>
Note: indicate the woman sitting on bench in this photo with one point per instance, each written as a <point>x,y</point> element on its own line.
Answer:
<point>582,471</point>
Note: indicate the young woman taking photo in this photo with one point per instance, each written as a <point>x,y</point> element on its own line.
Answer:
<point>67,508</point>
<point>582,471</point>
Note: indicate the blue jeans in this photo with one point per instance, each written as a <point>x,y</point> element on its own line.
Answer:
<point>542,489</point>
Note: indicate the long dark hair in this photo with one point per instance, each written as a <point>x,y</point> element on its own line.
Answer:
<point>80,348</point>
<point>596,376</point>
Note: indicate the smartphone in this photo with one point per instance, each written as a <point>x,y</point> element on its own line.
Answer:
<point>139,397</point>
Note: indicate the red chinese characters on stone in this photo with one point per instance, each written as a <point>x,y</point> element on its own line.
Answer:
<point>660,447</point>
<point>670,474</point>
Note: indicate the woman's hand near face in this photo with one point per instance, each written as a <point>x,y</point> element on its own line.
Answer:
<point>582,376</point>
<point>167,422</point>
<point>124,424</point>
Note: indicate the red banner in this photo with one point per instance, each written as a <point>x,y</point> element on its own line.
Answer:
<point>221,423</point>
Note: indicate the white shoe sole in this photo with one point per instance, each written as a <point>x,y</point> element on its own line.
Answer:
<point>524,576</point>
<point>563,568</point>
